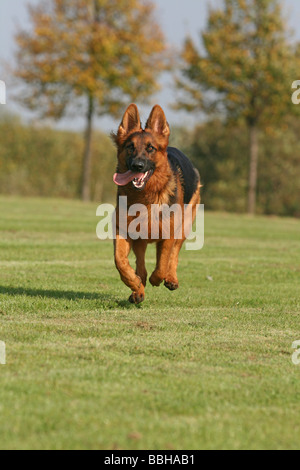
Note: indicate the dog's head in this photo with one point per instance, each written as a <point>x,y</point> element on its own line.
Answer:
<point>140,151</point>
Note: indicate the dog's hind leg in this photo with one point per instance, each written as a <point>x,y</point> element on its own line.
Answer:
<point>171,281</point>
<point>163,250</point>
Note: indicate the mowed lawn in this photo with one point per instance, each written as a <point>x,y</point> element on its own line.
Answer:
<point>208,366</point>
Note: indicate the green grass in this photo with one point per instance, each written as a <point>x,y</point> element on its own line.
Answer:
<point>208,366</point>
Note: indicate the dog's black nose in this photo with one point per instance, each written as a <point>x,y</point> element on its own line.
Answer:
<point>138,166</point>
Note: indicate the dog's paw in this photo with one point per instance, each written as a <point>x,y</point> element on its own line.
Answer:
<point>137,298</point>
<point>155,279</point>
<point>171,284</point>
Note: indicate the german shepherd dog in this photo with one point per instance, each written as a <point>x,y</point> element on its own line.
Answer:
<point>149,172</point>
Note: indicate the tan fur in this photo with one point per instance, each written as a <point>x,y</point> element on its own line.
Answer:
<point>160,189</point>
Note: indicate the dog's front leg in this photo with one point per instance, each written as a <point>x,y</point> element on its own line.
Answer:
<point>139,247</point>
<point>127,273</point>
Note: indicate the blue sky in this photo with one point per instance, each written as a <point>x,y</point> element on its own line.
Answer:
<point>177,17</point>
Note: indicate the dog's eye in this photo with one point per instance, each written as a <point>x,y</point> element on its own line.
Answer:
<point>130,149</point>
<point>150,148</point>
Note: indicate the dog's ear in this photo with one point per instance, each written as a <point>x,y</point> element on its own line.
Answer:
<point>130,123</point>
<point>158,124</point>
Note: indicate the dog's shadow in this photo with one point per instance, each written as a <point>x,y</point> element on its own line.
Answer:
<point>106,300</point>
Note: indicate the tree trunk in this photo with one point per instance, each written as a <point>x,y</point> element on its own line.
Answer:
<point>253,170</point>
<point>87,155</point>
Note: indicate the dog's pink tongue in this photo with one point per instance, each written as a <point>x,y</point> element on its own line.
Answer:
<point>121,179</point>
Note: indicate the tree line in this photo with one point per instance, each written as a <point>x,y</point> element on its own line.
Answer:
<point>96,56</point>
<point>40,161</point>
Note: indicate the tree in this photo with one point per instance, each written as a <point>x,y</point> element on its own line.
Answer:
<point>93,54</point>
<point>245,71</point>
